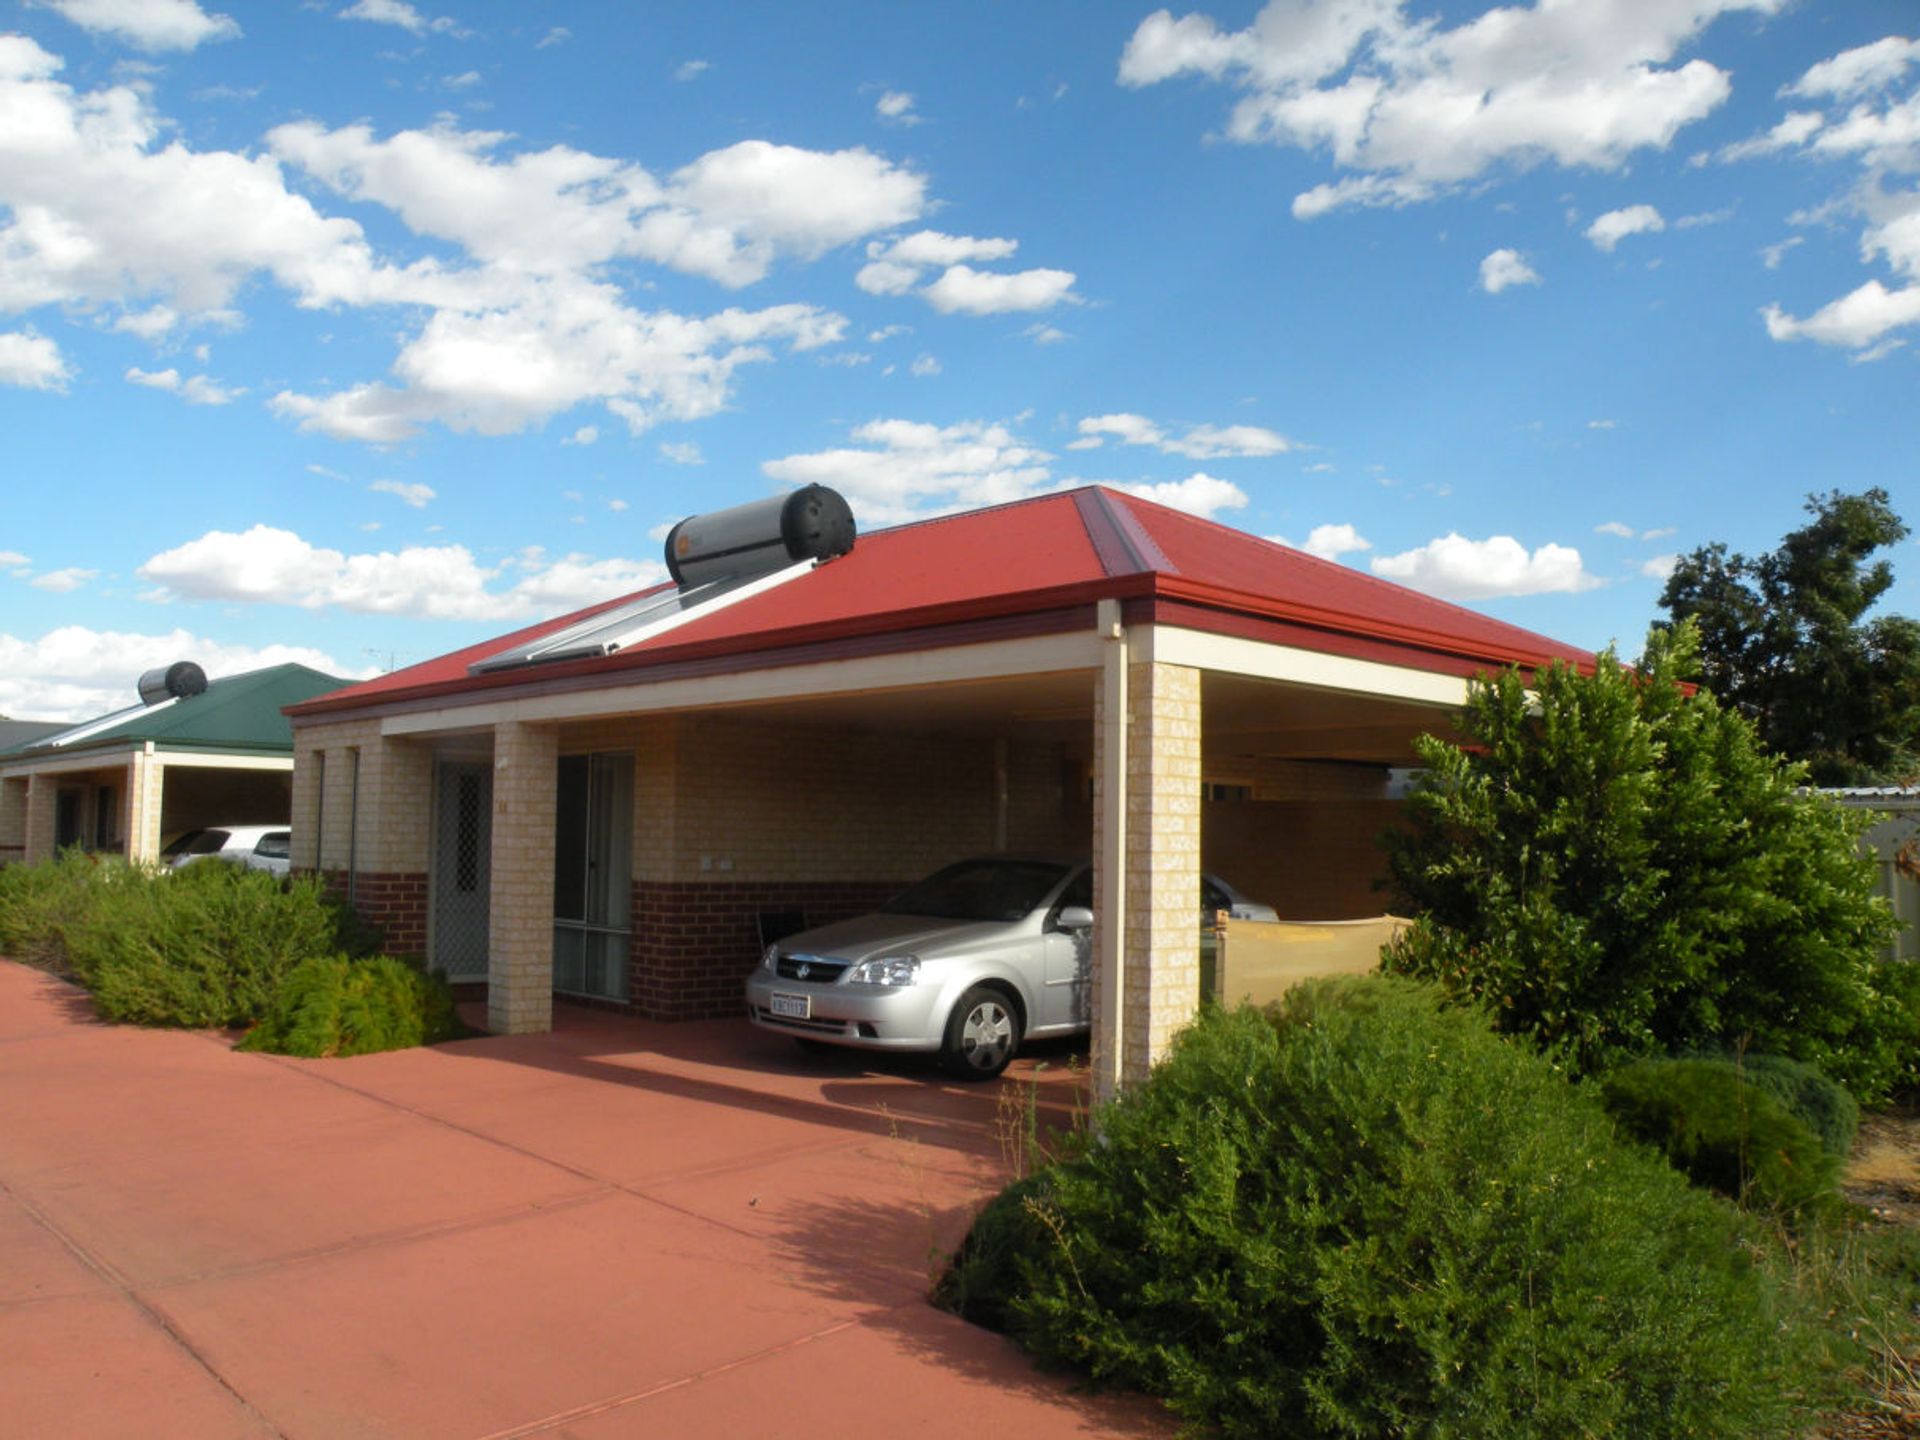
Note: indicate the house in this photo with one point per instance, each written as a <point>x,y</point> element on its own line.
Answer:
<point>191,753</point>
<point>604,805</point>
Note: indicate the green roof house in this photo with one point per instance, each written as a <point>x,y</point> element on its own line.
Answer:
<point>190,754</point>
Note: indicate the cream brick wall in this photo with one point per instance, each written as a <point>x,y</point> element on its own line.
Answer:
<point>42,791</point>
<point>1160,950</point>
<point>755,801</point>
<point>388,829</point>
<point>520,914</point>
<point>140,807</point>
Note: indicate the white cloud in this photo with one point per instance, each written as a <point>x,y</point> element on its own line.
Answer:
<point>465,80</point>
<point>445,582</point>
<point>147,324</point>
<point>62,582</point>
<point>411,493</point>
<point>1614,226</point>
<point>896,108</point>
<point>1042,334</point>
<point>32,361</point>
<point>514,320</point>
<point>618,505</point>
<point>557,35</point>
<point>11,558</point>
<point>1615,527</point>
<point>1659,567</point>
<point>194,389</point>
<point>1416,108</point>
<point>1772,255</point>
<point>924,366</point>
<point>968,291</point>
<point>682,452</point>
<point>1503,268</point>
<point>585,435</point>
<point>74,673</point>
<point>1456,568</point>
<point>1603,424</point>
<point>691,69</point>
<point>1796,129</point>
<point>498,372</point>
<point>1330,542</point>
<point>1200,442</point>
<point>1859,71</point>
<point>148,24</point>
<point>1199,494</point>
<point>1858,319</point>
<point>903,469</point>
<point>1880,132</point>
<point>397,12</point>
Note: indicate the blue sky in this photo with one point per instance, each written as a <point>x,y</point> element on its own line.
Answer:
<point>356,331</point>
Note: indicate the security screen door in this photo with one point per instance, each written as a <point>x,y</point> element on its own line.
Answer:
<point>592,875</point>
<point>463,859</point>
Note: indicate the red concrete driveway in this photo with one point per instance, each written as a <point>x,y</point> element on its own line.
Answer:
<point>618,1229</point>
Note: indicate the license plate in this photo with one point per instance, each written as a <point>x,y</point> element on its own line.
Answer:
<point>793,1007</point>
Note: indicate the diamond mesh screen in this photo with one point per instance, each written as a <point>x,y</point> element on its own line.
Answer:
<point>462,861</point>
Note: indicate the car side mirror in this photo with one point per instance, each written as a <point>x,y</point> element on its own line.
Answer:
<point>1074,917</point>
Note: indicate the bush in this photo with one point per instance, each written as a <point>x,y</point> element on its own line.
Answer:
<point>330,1005</point>
<point>1618,868</point>
<point>1820,1104</point>
<point>1723,1131</point>
<point>39,902</point>
<point>206,945</point>
<point>1365,1214</point>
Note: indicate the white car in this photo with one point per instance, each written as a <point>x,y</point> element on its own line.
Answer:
<point>969,963</point>
<point>258,847</point>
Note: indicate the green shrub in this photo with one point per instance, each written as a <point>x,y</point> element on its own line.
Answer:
<point>39,902</point>
<point>1724,1132</point>
<point>1618,868</point>
<point>1365,1214</point>
<point>1820,1104</point>
<point>206,945</point>
<point>330,1005</point>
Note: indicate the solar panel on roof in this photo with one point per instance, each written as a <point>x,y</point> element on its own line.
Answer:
<point>639,619</point>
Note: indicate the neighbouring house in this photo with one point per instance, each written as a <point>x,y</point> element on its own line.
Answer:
<point>607,806</point>
<point>192,753</point>
<point>1894,842</point>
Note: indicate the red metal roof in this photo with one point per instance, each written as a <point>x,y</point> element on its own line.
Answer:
<point>1047,557</point>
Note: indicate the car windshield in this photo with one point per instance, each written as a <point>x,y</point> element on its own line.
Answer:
<point>980,890</point>
<point>197,842</point>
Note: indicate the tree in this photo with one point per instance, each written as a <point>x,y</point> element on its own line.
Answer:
<point>1782,636</point>
<point>1617,866</point>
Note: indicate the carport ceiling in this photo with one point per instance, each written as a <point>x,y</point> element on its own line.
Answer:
<point>1241,716</point>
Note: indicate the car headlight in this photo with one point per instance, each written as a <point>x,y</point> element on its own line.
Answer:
<point>886,970</point>
<point>771,959</point>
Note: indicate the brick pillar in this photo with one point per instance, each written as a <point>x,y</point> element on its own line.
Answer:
<point>13,819</point>
<point>1163,861</point>
<point>42,791</point>
<point>1158,947</point>
<point>520,914</point>
<point>140,808</point>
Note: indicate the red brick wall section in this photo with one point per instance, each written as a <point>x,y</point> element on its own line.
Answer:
<point>397,903</point>
<point>695,942</point>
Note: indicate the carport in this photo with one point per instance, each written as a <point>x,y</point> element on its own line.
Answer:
<point>1087,672</point>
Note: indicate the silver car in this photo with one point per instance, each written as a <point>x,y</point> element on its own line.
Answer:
<point>969,962</point>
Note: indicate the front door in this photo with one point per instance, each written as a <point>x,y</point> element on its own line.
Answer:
<point>463,858</point>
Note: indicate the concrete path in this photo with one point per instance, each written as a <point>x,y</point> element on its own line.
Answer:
<point>619,1229</point>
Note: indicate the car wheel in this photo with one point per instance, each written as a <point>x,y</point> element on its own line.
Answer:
<point>982,1034</point>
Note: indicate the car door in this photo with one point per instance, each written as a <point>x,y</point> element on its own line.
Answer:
<point>1067,991</point>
